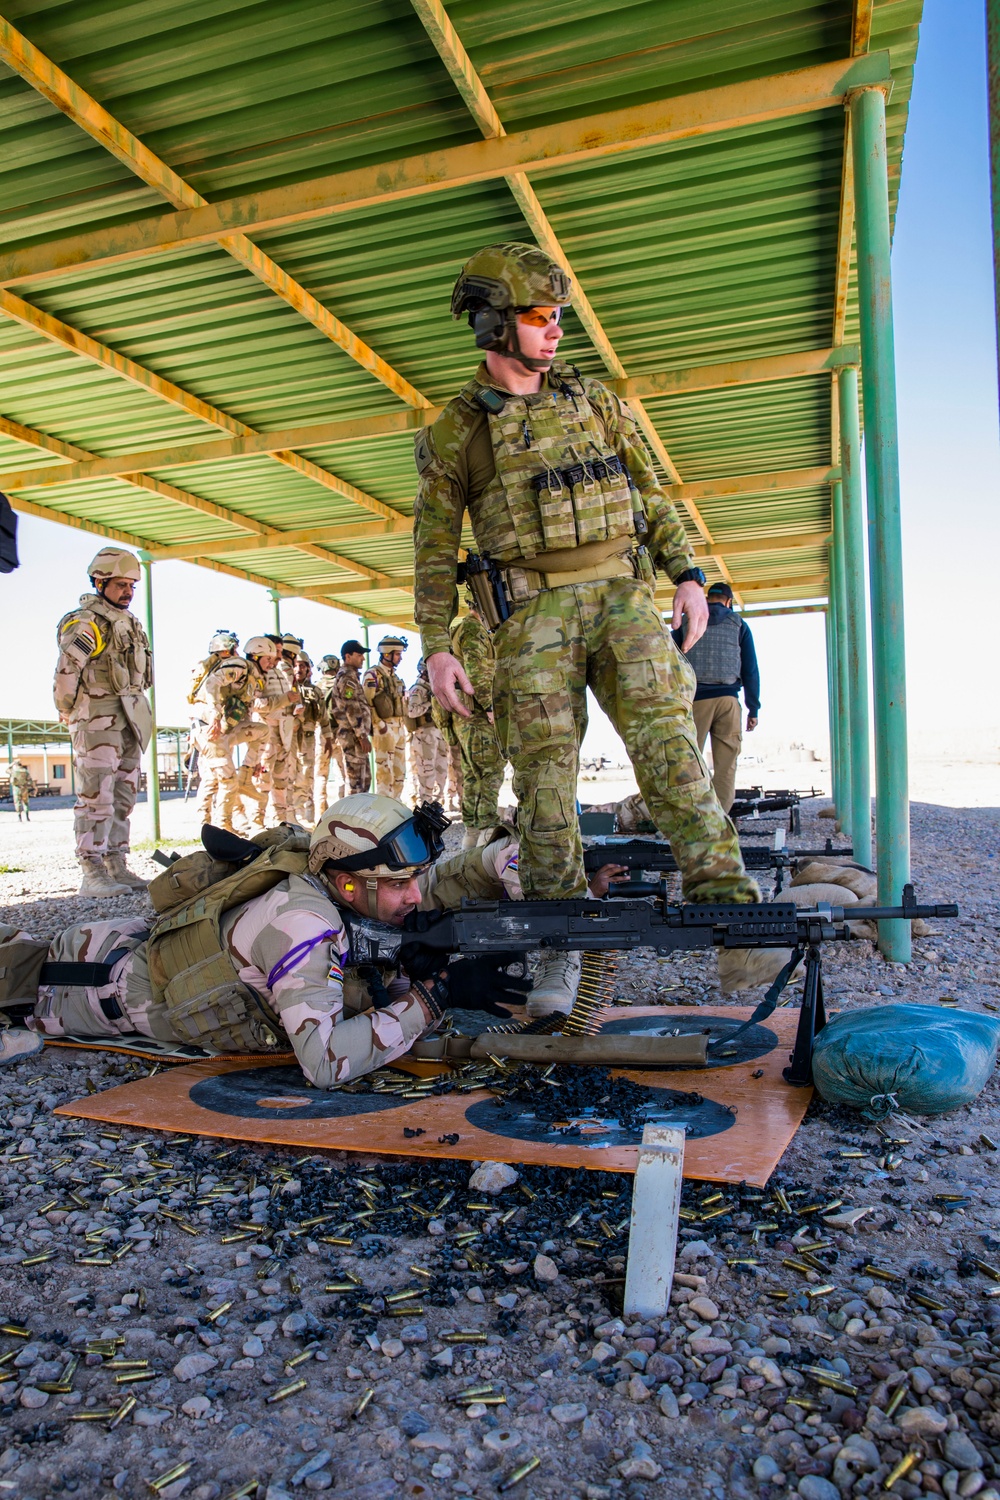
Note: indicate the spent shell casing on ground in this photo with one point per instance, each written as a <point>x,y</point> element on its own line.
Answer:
<point>365,1400</point>
<point>519,1474</point>
<point>129,1404</point>
<point>177,1472</point>
<point>287,1390</point>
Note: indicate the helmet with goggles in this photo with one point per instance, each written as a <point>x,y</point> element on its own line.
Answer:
<point>377,837</point>
<point>224,640</point>
<point>502,282</point>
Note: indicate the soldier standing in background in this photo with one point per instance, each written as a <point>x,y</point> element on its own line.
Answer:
<point>284,712</point>
<point>21,786</point>
<point>565,504</point>
<point>314,723</point>
<point>445,721</point>
<point>207,704</point>
<point>724,660</point>
<point>428,747</point>
<point>268,689</point>
<point>329,747</point>
<point>386,692</point>
<point>102,677</point>
<point>351,716</point>
<point>482,759</point>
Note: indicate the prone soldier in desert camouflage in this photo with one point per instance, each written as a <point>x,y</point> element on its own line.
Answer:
<point>102,676</point>
<point>351,716</point>
<point>386,692</point>
<point>570,524</point>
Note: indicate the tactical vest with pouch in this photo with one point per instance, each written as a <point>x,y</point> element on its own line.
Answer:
<point>388,700</point>
<point>418,705</point>
<point>191,971</point>
<point>558,483</point>
<point>716,657</point>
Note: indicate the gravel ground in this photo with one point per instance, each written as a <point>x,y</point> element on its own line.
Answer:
<point>243,1298</point>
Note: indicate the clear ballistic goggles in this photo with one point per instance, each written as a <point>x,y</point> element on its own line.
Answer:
<point>539,317</point>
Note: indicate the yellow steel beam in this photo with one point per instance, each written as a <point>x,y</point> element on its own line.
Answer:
<point>230,546</point>
<point>754,484</point>
<point>9,428</point>
<point>35,68</point>
<point>404,583</point>
<point>390,424</point>
<point>781,542</point>
<point>559,144</point>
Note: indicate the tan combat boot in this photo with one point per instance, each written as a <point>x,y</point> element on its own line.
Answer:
<point>555,986</point>
<point>96,880</point>
<point>16,1044</point>
<point>470,838</point>
<point>116,867</point>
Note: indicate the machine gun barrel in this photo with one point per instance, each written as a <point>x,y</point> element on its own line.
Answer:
<point>656,854</point>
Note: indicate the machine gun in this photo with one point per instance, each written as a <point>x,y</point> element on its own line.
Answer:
<point>655,854</point>
<point>502,927</point>
<point>751,802</point>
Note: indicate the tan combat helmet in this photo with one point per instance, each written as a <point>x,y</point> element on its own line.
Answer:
<point>114,562</point>
<point>391,643</point>
<point>376,838</point>
<point>497,282</point>
<point>260,645</point>
<point>224,640</point>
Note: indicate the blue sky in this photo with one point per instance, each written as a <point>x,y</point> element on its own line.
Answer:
<point>950,457</point>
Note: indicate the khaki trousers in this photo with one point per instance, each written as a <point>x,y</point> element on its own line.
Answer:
<point>720,719</point>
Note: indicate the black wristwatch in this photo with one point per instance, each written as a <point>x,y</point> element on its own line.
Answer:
<point>690,575</point>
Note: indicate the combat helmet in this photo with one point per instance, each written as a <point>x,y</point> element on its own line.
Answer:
<point>260,645</point>
<point>497,282</point>
<point>391,643</point>
<point>330,664</point>
<point>114,562</point>
<point>376,838</point>
<point>224,640</point>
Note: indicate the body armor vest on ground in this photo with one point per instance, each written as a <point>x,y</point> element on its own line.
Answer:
<point>716,657</point>
<point>558,482</point>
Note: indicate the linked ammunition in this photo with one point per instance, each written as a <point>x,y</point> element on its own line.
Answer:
<point>287,1390</point>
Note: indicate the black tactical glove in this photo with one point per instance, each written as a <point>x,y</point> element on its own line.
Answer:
<point>421,962</point>
<point>483,984</point>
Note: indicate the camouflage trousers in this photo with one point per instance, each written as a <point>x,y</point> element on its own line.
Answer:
<point>106,754</point>
<point>252,783</point>
<point>357,760</point>
<point>429,764</point>
<point>454,777</point>
<point>282,763</point>
<point>607,636</point>
<point>217,771</point>
<point>390,758</point>
<point>113,1009</point>
<point>324,759</point>
<point>22,801</point>
<point>482,770</point>
<point>304,791</point>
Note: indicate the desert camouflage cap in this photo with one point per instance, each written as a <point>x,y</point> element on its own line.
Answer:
<point>115,562</point>
<point>355,825</point>
<point>260,645</point>
<point>510,275</point>
<point>391,643</point>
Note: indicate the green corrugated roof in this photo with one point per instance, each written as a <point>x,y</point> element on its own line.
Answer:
<point>716,248</point>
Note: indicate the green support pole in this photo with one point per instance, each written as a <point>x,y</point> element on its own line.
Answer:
<point>993,90</point>
<point>856,614</point>
<point>845,806</point>
<point>177,753</point>
<point>831,692</point>
<point>871,186</point>
<point>72,770</point>
<point>275,598</point>
<point>153,769</point>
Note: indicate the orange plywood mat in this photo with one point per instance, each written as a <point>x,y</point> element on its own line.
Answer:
<point>736,1132</point>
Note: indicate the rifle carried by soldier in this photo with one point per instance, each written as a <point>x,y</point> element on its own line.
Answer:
<point>481,928</point>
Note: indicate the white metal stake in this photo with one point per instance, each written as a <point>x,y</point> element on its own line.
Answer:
<point>656,1202</point>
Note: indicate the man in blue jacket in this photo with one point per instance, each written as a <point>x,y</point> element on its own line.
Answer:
<point>724,661</point>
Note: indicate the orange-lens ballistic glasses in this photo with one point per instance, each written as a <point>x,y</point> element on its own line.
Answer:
<point>539,317</point>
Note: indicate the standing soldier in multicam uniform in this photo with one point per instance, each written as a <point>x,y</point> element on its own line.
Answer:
<point>386,692</point>
<point>329,748</point>
<point>21,786</point>
<point>428,747</point>
<point>314,723</point>
<point>351,716</point>
<point>102,677</point>
<point>482,760</point>
<point>565,504</point>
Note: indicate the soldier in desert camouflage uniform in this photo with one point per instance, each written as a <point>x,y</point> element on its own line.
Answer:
<point>265,690</point>
<point>329,750</point>
<point>283,715</point>
<point>482,759</point>
<point>312,726</point>
<point>102,677</point>
<point>21,787</point>
<point>428,747</point>
<point>217,699</point>
<point>319,949</point>
<point>445,721</point>
<point>563,499</point>
<point>351,716</point>
<point>386,692</point>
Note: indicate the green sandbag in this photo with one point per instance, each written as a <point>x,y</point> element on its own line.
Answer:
<point>919,1059</point>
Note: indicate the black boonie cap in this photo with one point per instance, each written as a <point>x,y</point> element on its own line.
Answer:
<point>350,646</point>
